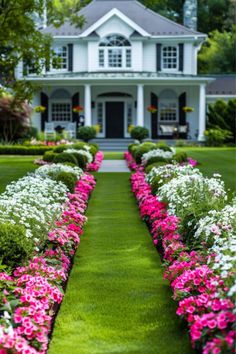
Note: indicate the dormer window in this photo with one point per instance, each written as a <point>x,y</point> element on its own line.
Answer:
<point>170,55</point>
<point>115,52</point>
<point>62,53</point>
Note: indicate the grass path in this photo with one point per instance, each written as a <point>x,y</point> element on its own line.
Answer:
<point>117,301</point>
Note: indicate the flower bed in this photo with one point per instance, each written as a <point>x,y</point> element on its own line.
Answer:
<point>96,164</point>
<point>30,294</point>
<point>198,263</point>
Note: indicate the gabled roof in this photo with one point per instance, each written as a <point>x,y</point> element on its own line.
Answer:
<point>150,21</point>
<point>223,85</point>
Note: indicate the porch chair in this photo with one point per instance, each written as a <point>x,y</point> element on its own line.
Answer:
<point>183,131</point>
<point>49,131</point>
<point>71,130</point>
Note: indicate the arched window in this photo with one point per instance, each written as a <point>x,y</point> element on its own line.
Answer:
<point>60,102</point>
<point>115,52</point>
<point>168,109</point>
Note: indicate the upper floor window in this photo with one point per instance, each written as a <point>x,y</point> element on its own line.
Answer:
<point>115,52</point>
<point>170,58</point>
<point>61,52</point>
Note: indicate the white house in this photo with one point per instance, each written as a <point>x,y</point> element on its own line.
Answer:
<point>124,59</point>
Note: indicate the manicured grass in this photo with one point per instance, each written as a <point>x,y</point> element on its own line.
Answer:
<point>113,155</point>
<point>216,160</point>
<point>14,167</point>
<point>117,301</point>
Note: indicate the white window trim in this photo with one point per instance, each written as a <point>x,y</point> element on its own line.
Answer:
<point>67,59</point>
<point>61,101</point>
<point>162,58</point>
<point>124,58</point>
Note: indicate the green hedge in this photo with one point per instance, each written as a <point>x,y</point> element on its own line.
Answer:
<point>23,150</point>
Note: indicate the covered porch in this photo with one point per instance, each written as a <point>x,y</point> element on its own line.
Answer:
<point>115,105</point>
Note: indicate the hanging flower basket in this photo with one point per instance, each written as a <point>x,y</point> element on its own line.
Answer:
<point>187,109</point>
<point>152,109</point>
<point>39,109</point>
<point>78,109</point>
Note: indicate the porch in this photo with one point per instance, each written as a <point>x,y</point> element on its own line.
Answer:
<point>116,105</point>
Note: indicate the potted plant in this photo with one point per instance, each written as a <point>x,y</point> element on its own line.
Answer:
<point>188,109</point>
<point>152,109</point>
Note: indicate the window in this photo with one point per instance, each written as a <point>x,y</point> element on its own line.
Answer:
<point>129,116</point>
<point>168,111</point>
<point>62,54</point>
<point>61,112</point>
<point>115,52</point>
<point>169,58</point>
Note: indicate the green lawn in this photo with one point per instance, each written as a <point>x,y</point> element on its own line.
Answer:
<point>216,160</point>
<point>117,301</point>
<point>14,167</point>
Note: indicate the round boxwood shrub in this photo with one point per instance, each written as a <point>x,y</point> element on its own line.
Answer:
<point>139,133</point>
<point>163,146</point>
<point>180,157</point>
<point>132,147</point>
<point>81,160</point>
<point>142,149</point>
<point>79,146</point>
<point>156,159</point>
<point>86,147</point>
<point>65,157</point>
<point>96,146</point>
<point>69,179</point>
<point>49,156</point>
<point>61,148</point>
<point>87,133</point>
<point>15,247</point>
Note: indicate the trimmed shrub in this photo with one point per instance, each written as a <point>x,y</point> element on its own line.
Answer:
<point>69,179</point>
<point>49,156</point>
<point>15,247</point>
<point>23,150</point>
<point>96,146</point>
<point>61,148</point>
<point>156,159</point>
<point>87,133</point>
<point>217,136</point>
<point>163,146</point>
<point>84,146</point>
<point>80,159</point>
<point>180,157</point>
<point>132,146</point>
<point>65,157</point>
<point>142,149</point>
<point>139,133</point>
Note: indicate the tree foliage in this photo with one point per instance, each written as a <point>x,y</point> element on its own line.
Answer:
<point>218,53</point>
<point>222,115</point>
<point>20,38</point>
<point>14,118</point>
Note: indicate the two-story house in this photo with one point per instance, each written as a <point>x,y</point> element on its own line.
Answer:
<point>124,59</point>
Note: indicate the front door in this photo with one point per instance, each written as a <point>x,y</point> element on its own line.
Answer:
<point>114,119</point>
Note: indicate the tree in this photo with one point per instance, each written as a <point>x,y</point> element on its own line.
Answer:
<point>14,119</point>
<point>21,40</point>
<point>218,53</point>
<point>222,115</point>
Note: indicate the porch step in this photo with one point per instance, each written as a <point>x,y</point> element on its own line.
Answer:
<point>113,144</point>
<point>106,144</point>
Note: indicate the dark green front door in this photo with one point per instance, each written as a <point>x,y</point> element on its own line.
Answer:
<point>114,119</point>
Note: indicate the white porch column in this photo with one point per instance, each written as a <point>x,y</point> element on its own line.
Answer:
<point>202,112</point>
<point>87,105</point>
<point>140,105</point>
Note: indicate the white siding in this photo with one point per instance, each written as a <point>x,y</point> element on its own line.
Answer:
<point>92,56</point>
<point>114,26</point>
<point>149,57</point>
<point>188,56</point>
<point>80,57</point>
<point>137,56</point>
